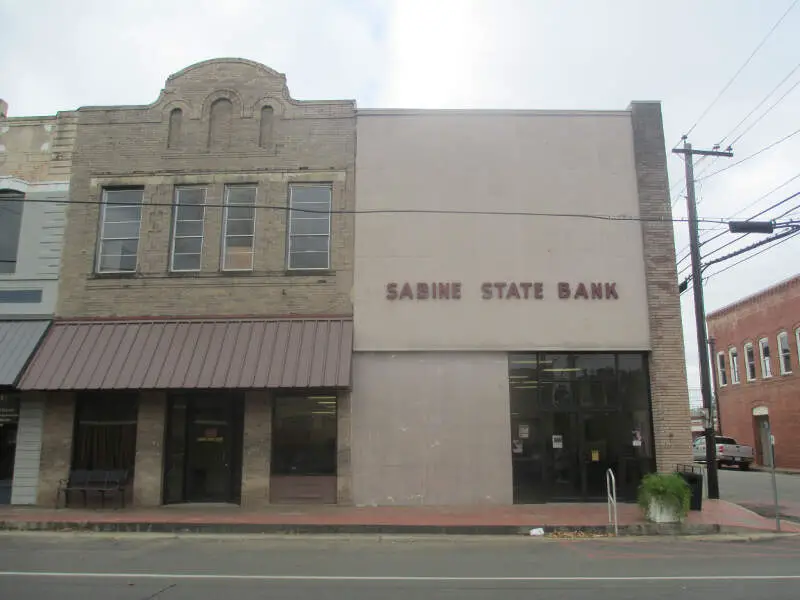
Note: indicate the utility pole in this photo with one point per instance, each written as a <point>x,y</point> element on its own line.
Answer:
<point>699,309</point>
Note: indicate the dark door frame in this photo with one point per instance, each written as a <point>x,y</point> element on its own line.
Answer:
<point>234,402</point>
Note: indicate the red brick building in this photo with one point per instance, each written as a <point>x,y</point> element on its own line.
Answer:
<point>755,362</point>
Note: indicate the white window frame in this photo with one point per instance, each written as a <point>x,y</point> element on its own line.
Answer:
<point>225,235</point>
<point>101,237</point>
<point>178,189</point>
<point>749,346</point>
<point>797,339</point>
<point>289,234</point>
<point>733,360</point>
<point>784,335</point>
<point>722,377</point>
<point>766,367</point>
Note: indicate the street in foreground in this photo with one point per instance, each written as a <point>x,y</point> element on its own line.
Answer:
<point>148,567</point>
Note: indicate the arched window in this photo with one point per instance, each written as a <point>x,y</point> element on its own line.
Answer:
<point>221,121</point>
<point>11,202</point>
<point>265,133</point>
<point>175,124</point>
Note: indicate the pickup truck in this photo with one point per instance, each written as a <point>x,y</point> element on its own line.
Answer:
<point>729,452</point>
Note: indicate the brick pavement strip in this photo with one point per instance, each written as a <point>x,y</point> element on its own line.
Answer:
<point>716,517</point>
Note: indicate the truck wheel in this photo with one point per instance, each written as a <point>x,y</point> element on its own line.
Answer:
<point>745,466</point>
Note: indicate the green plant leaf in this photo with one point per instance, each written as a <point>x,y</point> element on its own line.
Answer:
<point>669,489</point>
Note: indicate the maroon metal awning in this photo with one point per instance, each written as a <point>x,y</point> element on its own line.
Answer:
<point>198,354</point>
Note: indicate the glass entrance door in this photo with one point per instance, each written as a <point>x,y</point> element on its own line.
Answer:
<point>599,442</point>
<point>208,470</point>
<point>204,445</point>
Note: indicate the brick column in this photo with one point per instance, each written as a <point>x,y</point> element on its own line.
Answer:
<point>344,468</point>
<point>148,477</point>
<point>256,449</point>
<point>56,456</point>
<point>668,390</point>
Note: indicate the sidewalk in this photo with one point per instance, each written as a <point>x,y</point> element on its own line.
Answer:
<point>717,516</point>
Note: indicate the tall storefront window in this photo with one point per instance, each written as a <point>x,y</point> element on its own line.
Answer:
<point>105,432</point>
<point>304,449</point>
<point>573,417</point>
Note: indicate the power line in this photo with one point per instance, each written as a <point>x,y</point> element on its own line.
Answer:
<point>744,235</point>
<point>377,211</point>
<point>758,214</point>
<point>741,210</point>
<point>759,105</point>
<point>742,68</point>
<point>753,155</point>
<point>746,258</point>
<point>757,244</point>
<point>769,110</point>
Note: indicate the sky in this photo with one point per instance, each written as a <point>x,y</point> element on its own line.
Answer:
<point>529,54</point>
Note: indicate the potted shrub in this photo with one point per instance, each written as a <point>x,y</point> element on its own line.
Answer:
<point>664,497</point>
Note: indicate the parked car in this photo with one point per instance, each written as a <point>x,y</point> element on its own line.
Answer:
<point>729,452</point>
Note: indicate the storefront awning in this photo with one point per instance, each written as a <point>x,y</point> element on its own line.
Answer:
<point>18,340</point>
<point>198,354</point>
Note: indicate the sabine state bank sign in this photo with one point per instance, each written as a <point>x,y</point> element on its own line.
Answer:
<point>503,290</point>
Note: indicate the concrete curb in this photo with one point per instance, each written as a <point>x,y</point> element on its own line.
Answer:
<point>641,529</point>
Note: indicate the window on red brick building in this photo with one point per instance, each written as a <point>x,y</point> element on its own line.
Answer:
<point>763,349</point>
<point>797,339</point>
<point>733,358</point>
<point>784,353</point>
<point>722,374</point>
<point>750,362</point>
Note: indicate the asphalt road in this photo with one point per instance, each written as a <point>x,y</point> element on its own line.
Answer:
<point>40,566</point>
<point>753,489</point>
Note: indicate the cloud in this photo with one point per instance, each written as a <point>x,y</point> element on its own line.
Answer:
<point>62,55</point>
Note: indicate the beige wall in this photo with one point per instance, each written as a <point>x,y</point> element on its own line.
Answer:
<point>148,477</point>
<point>540,162</point>
<point>430,428</point>
<point>37,149</point>
<point>56,455</point>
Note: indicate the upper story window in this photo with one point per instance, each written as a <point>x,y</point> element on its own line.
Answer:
<point>238,236</point>
<point>309,226</point>
<point>11,203</point>
<point>187,228</point>
<point>797,339</point>
<point>722,374</point>
<point>763,349</point>
<point>733,358</point>
<point>750,362</point>
<point>784,353</point>
<point>120,217</point>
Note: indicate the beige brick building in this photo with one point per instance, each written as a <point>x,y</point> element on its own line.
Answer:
<point>209,243</point>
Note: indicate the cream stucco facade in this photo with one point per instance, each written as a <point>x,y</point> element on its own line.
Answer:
<point>504,163</point>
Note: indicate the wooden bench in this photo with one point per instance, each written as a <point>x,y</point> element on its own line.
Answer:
<point>101,482</point>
